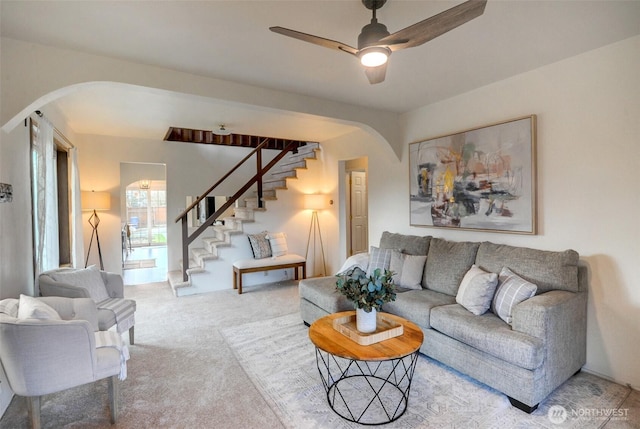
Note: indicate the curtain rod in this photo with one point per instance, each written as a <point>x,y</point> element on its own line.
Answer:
<point>59,134</point>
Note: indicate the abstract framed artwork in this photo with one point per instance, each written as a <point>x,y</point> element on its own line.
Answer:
<point>479,179</point>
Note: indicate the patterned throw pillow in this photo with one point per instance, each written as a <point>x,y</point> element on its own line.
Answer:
<point>88,278</point>
<point>378,258</point>
<point>512,290</point>
<point>407,269</point>
<point>31,308</point>
<point>476,290</point>
<point>260,245</point>
<point>278,242</point>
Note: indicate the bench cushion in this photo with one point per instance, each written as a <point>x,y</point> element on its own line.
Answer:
<point>289,258</point>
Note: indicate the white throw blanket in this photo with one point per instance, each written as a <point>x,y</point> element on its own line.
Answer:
<point>111,339</point>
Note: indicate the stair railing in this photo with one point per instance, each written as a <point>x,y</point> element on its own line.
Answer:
<point>257,178</point>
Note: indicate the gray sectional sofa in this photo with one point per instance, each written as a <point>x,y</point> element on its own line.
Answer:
<point>544,345</point>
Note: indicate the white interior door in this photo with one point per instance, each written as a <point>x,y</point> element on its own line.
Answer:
<point>359,217</point>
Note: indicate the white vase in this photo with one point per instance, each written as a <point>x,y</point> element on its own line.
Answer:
<point>366,322</point>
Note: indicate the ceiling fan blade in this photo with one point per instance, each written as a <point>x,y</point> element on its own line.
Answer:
<point>376,74</point>
<point>435,26</point>
<point>327,43</point>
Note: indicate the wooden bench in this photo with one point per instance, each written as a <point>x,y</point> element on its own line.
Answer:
<point>290,260</point>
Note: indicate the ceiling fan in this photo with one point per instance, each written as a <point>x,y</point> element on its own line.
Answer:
<point>375,43</point>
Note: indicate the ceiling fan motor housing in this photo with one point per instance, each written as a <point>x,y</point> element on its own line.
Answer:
<point>371,34</point>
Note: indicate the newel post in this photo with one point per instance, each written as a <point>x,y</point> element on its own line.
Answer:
<point>259,170</point>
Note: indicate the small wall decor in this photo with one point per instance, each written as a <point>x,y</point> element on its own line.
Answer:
<point>6,193</point>
<point>478,179</point>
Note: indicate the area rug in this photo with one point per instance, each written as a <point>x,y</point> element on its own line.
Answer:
<point>280,360</point>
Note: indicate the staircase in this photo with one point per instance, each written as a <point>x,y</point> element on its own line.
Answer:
<point>211,255</point>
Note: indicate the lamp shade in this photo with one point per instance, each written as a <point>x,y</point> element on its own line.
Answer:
<point>92,200</point>
<point>315,201</point>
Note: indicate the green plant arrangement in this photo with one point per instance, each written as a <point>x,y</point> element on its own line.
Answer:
<point>367,293</point>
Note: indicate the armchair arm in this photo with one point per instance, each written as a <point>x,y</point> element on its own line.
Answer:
<point>74,309</point>
<point>46,356</point>
<point>50,287</point>
<point>114,284</point>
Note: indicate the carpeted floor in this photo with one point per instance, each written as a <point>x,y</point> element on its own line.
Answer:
<point>218,361</point>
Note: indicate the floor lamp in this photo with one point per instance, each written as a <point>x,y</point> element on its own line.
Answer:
<point>95,201</point>
<point>315,202</point>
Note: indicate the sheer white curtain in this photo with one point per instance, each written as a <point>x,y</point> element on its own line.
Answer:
<point>77,241</point>
<point>45,197</point>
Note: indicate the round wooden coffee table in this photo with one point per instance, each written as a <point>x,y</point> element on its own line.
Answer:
<point>366,384</point>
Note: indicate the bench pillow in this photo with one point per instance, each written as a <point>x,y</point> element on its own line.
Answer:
<point>549,270</point>
<point>260,245</point>
<point>88,278</point>
<point>278,242</point>
<point>447,263</point>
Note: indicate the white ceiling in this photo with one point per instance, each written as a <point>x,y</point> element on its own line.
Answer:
<point>230,40</point>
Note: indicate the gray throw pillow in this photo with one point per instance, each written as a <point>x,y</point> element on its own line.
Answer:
<point>378,258</point>
<point>476,290</point>
<point>407,269</point>
<point>512,290</point>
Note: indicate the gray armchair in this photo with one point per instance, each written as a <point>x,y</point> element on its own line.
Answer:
<point>41,357</point>
<point>112,306</point>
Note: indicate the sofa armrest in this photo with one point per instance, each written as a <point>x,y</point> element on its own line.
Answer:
<point>51,287</point>
<point>74,308</point>
<point>559,319</point>
<point>552,313</point>
<point>114,284</point>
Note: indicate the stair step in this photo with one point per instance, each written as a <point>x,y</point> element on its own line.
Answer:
<point>282,175</point>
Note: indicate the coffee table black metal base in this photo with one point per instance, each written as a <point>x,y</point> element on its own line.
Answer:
<point>367,392</point>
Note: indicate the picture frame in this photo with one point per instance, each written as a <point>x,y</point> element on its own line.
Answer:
<point>480,179</point>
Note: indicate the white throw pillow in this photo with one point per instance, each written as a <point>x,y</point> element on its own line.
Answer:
<point>88,278</point>
<point>31,308</point>
<point>360,260</point>
<point>512,290</point>
<point>476,290</point>
<point>278,242</point>
<point>407,269</point>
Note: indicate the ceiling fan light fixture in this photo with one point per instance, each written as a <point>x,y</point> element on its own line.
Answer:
<point>221,131</point>
<point>374,56</point>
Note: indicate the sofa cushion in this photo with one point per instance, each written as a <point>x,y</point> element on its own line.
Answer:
<point>322,292</point>
<point>489,334</point>
<point>378,258</point>
<point>476,290</point>
<point>88,278</point>
<point>512,290</point>
<point>447,263</point>
<point>9,307</point>
<point>409,244</point>
<point>548,270</point>
<point>407,269</point>
<point>416,305</point>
